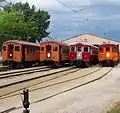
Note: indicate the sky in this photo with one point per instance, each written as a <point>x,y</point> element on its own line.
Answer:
<point>98,17</point>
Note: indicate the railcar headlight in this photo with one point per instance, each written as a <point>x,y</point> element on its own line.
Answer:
<point>48,54</point>
<point>108,55</point>
<point>10,54</point>
<point>79,55</point>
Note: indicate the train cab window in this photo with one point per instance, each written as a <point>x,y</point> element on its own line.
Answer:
<point>42,49</point>
<point>72,49</point>
<point>55,48</point>
<point>107,49</point>
<point>79,49</point>
<point>114,49</point>
<point>85,49</point>
<point>17,48</point>
<point>100,50</point>
<point>4,48</point>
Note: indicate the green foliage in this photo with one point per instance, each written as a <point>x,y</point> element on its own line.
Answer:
<point>22,22</point>
<point>115,110</point>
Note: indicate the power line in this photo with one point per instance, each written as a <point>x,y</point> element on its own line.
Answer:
<point>65,5</point>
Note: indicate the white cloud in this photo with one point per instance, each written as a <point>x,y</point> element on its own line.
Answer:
<point>54,4</point>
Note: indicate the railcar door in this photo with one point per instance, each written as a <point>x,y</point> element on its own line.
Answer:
<point>79,53</point>
<point>17,53</point>
<point>86,54</point>
<point>48,51</point>
<point>60,54</point>
<point>23,53</point>
<point>10,52</point>
<point>72,53</point>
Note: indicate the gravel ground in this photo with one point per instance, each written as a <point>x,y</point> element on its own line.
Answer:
<point>96,97</point>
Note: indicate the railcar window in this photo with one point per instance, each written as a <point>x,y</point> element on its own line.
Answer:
<point>94,51</point>
<point>114,49</point>
<point>55,48</point>
<point>42,48</point>
<point>79,49</point>
<point>107,49</point>
<point>67,51</point>
<point>30,50</point>
<point>85,49</point>
<point>17,48</point>
<point>4,48</point>
<point>101,50</point>
<point>72,49</point>
<point>33,50</point>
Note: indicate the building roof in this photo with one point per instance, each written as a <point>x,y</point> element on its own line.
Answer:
<point>91,35</point>
<point>89,38</point>
<point>21,43</point>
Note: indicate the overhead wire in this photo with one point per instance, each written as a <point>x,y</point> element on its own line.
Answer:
<point>76,11</point>
<point>65,5</point>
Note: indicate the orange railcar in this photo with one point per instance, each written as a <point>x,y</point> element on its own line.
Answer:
<point>54,53</point>
<point>20,53</point>
<point>108,54</point>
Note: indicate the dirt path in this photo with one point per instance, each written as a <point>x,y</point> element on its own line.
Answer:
<point>96,97</point>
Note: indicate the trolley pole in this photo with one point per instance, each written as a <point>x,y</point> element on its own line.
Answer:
<point>26,102</point>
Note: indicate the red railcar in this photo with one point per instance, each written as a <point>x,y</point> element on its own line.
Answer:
<point>54,53</point>
<point>83,54</point>
<point>20,53</point>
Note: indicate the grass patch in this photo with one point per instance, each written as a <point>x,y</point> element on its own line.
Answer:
<point>116,109</point>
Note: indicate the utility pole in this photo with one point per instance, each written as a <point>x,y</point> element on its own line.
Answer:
<point>26,102</point>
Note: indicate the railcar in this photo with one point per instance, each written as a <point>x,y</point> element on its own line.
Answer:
<point>54,53</point>
<point>20,53</point>
<point>83,55</point>
<point>108,54</point>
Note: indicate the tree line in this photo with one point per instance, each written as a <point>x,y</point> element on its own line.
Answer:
<point>19,21</point>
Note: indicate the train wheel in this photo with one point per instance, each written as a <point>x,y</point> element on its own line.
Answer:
<point>71,63</point>
<point>80,64</point>
<point>88,64</point>
<point>57,65</point>
<point>11,65</point>
<point>112,64</point>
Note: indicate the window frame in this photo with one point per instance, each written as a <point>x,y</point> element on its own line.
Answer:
<point>4,48</point>
<point>71,49</point>
<point>107,48</point>
<point>55,48</point>
<point>41,48</point>
<point>18,48</point>
<point>101,51</point>
<point>78,49</point>
<point>115,48</point>
<point>87,49</point>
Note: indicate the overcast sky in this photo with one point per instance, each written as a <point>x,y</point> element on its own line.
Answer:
<point>98,17</point>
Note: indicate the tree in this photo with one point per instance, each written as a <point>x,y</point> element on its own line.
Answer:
<point>24,22</point>
<point>13,24</point>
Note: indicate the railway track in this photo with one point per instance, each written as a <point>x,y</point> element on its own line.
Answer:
<point>21,79</point>
<point>22,72</point>
<point>3,68</point>
<point>78,82</point>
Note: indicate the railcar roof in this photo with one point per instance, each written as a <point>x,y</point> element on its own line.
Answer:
<point>84,44</point>
<point>106,45</point>
<point>55,42</point>
<point>21,43</point>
